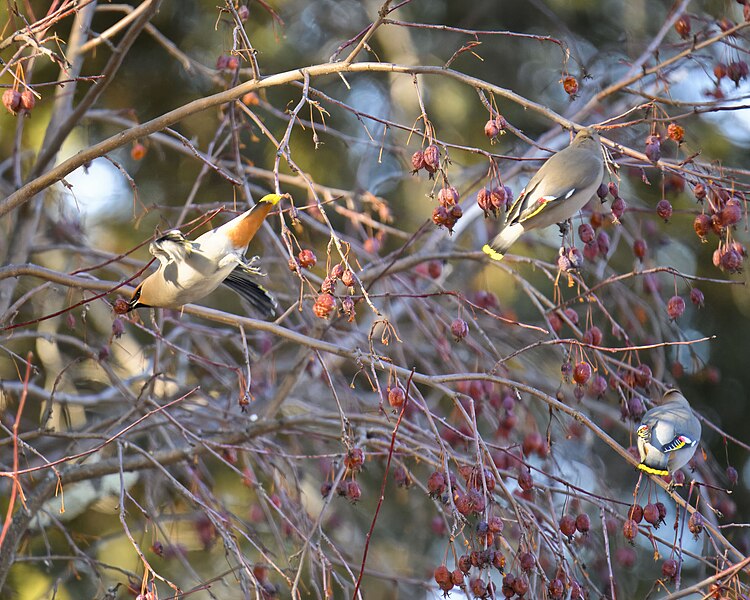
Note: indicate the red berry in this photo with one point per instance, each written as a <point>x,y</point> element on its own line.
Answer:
<point>396,396</point>
<point>527,561</point>
<point>618,207</point>
<point>702,225</point>
<point>307,259</point>
<point>653,148</point>
<point>138,151</point>
<point>731,213</point>
<point>556,589</point>
<point>12,101</point>
<point>675,307</point>
<point>669,568</point>
<point>432,158</point>
<point>643,375</point>
<point>581,372</point>
<point>593,336</point>
<point>324,305</point>
<point>447,196</point>
<point>464,563</point>
<point>695,524</point>
<point>571,315</point>
<point>639,249</point>
<point>347,278</point>
<point>436,484</point>
<point>675,132</point>
<point>630,529</point>
<point>636,513</point>
<point>354,459</point>
<point>417,161</point>
<point>491,129</point>
<point>525,481</point>
<point>697,297</point>
<point>732,476</point>
<point>598,385</point>
<point>567,526</point>
<point>682,26</point>
<point>570,85</point>
<point>444,578</point>
<point>651,514</point>
<point>521,585</point>
<point>664,209</point>
<point>586,233</point>
<point>583,523</point>
<point>613,191</point>
<point>459,329</point>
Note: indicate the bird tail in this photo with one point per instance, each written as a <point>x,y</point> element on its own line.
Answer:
<point>502,242</point>
<point>652,471</point>
<point>244,227</point>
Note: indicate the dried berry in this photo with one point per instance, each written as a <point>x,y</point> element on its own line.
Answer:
<point>521,585</point>
<point>459,329</point>
<point>653,148</point>
<point>630,529</point>
<point>28,101</point>
<point>525,481</point>
<point>593,336</point>
<point>626,557</point>
<point>570,85</point>
<point>675,307</point>
<point>576,592</point>
<point>138,151</point>
<point>443,578</point>
<point>732,476</point>
<point>737,71</point>
<point>121,306</point>
<point>337,271</point>
<point>307,259</point>
<point>324,305</point>
<point>702,225</point>
<point>669,568</point>
<point>590,251</point>
<point>618,207</point>
<point>651,514</point>
<point>697,297</point>
<point>403,480</point>
<point>556,589</point>
<point>457,577</point>
<point>582,372</point>
<point>527,561</point>
<point>664,209</point>
<point>730,260</point>
<point>682,27</point>
<point>675,132</point>
<point>12,101</point>
<point>118,328</point>
<point>662,510</point>
<point>328,286</point>
<point>586,233</point>
<point>396,396</point>
<point>354,459</point>
<point>532,443</point>
<point>583,523</point>
<point>598,386</point>
<point>639,249</point>
<point>431,158</point>
<point>602,241</point>
<point>602,191</point>
<point>495,524</point>
<point>695,524</point>
<point>636,513</point>
<point>347,278</point>
<point>478,587</point>
<point>571,315</point>
<point>464,563</point>
<point>417,161</point>
<point>731,213</point>
<point>613,190</point>
<point>567,526</point>
<point>436,484</point>
<point>447,196</point>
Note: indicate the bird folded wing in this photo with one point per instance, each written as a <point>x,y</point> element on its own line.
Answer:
<point>172,246</point>
<point>241,281</point>
<point>679,442</point>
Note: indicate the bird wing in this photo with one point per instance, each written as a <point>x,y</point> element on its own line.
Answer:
<point>547,186</point>
<point>172,246</point>
<point>681,441</point>
<point>241,281</point>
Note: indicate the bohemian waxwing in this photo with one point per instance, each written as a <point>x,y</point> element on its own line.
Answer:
<point>189,270</point>
<point>564,184</point>
<point>668,435</point>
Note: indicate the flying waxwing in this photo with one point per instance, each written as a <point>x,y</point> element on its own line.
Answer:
<point>189,270</point>
<point>668,435</point>
<point>564,184</point>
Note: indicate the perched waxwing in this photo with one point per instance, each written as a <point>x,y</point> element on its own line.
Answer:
<point>668,435</point>
<point>564,184</point>
<point>189,270</point>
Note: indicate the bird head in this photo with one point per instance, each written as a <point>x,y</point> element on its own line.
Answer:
<point>644,432</point>
<point>136,300</point>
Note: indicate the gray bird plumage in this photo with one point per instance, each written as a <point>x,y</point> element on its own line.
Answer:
<point>558,190</point>
<point>668,435</point>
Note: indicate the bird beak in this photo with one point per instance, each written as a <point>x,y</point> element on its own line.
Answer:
<point>134,301</point>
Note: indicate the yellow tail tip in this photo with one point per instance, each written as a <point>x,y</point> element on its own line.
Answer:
<point>652,471</point>
<point>491,252</point>
<point>273,199</point>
